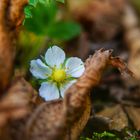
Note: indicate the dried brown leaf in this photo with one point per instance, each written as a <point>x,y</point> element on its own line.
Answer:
<point>134,115</point>
<point>15,104</point>
<point>132,38</point>
<point>8,24</point>
<point>116,115</point>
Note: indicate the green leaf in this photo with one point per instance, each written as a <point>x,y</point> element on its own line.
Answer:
<point>43,16</point>
<point>82,138</point>
<point>48,1</point>
<point>63,1</point>
<point>42,1</point>
<point>44,22</point>
<point>27,11</point>
<point>63,30</point>
<point>33,2</point>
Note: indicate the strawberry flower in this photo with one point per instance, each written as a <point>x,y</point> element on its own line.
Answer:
<point>56,72</point>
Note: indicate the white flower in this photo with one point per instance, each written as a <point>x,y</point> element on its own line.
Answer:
<point>57,73</point>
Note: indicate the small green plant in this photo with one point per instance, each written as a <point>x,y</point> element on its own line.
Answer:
<point>131,135</point>
<point>110,136</point>
<point>43,20</point>
<point>104,136</point>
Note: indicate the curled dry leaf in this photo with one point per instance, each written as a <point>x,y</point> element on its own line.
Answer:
<point>16,104</point>
<point>16,11</point>
<point>66,119</point>
<point>134,115</point>
<point>8,24</point>
<point>132,38</point>
<point>116,115</point>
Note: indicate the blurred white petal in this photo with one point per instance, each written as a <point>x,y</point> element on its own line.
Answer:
<point>55,56</point>
<point>39,69</point>
<point>75,67</point>
<point>49,91</point>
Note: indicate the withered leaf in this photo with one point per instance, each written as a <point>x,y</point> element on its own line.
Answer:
<point>117,117</point>
<point>11,15</point>
<point>15,104</point>
<point>134,115</point>
<point>132,35</point>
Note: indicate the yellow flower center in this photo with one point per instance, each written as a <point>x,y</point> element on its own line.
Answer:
<point>59,75</point>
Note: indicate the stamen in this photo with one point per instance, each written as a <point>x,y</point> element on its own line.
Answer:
<point>59,75</point>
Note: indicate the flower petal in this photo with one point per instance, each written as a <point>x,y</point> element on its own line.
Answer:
<point>49,91</point>
<point>39,69</point>
<point>75,67</point>
<point>55,56</point>
<point>64,87</point>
